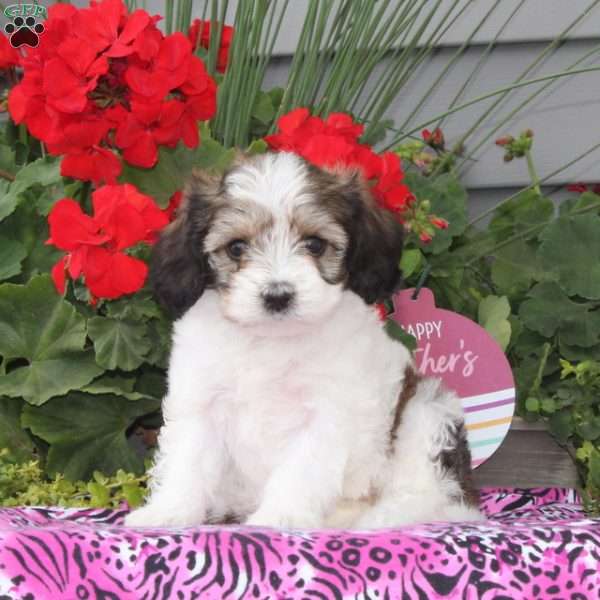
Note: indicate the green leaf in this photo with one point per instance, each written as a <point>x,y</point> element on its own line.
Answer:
<point>40,328</point>
<point>25,227</point>
<point>139,306</point>
<point>263,109</point>
<point>532,404</point>
<point>99,494</point>
<point>571,249</point>
<point>88,433</point>
<point>133,494</point>
<point>521,213</point>
<point>40,173</point>
<point>114,384</point>
<point>175,165</point>
<point>395,331</point>
<point>152,383</point>
<point>589,428</point>
<point>257,147</point>
<point>7,159</point>
<point>12,254</point>
<point>549,311</point>
<point>12,435</point>
<point>448,200</point>
<point>594,470</point>
<point>493,317</point>
<point>548,405</point>
<point>561,426</point>
<point>516,266</point>
<point>411,260</point>
<point>119,343</point>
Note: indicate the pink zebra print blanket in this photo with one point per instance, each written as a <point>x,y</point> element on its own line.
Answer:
<point>536,544</point>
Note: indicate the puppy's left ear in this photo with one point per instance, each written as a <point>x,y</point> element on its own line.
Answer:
<point>375,244</point>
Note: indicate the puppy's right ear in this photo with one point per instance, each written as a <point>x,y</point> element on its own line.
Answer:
<point>179,269</point>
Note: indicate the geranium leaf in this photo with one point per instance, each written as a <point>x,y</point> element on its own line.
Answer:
<point>493,317</point>
<point>25,227</point>
<point>119,343</point>
<point>12,254</point>
<point>410,261</point>
<point>448,200</point>
<point>40,328</point>
<point>42,172</point>
<point>12,435</point>
<point>516,266</point>
<point>522,212</point>
<point>571,249</point>
<point>114,384</point>
<point>263,109</point>
<point>548,311</point>
<point>175,165</point>
<point>88,433</point>
<point>45,378</point>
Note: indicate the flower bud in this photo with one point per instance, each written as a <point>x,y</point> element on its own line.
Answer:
<point>505,140</point>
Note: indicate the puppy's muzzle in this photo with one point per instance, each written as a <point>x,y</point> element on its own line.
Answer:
<point>278,297</point>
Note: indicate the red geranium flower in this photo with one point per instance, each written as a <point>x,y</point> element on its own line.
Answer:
<point>580,188</point>
<point>9,57</point>
<point>122,218</point>
<point>199,36</point>
<point>102,80</point>
<point>435,139</point>
<point>334,141</point>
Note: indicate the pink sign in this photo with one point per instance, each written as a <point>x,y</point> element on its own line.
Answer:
<point>468,360</point>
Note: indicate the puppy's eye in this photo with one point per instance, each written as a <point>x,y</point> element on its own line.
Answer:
<point>315,245</point>
<point>236,249</point>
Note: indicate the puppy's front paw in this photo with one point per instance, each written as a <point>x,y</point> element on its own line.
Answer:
<point>284,519</point>
<point>153,515</point>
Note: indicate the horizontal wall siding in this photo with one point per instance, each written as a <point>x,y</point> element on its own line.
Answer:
<point>565,118</point>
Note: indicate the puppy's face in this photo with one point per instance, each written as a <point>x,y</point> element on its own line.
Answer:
<point>280,241</point>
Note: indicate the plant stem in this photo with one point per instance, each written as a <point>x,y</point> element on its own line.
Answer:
<point>493,209</point>
<point>6,175</point>
<point>537,382</point>
<point>483,97</point>
<point>535,180</point>
<point>530,231</point>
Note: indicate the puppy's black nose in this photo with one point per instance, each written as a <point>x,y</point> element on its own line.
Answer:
<point>278,297</point>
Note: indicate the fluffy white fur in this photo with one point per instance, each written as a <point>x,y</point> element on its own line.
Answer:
<point>284,420</point>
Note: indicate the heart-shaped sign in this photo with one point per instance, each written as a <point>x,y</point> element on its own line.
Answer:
<point>468,360</point>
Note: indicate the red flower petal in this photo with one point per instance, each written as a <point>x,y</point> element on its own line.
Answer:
<point>289,122</point>
<point>111,275</point>
<point>92,164</point>
<point>70,226</point>
<point>9,57</point>
<point>58,275</point>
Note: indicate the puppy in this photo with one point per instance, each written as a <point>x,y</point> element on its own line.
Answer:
<point>288,405</point>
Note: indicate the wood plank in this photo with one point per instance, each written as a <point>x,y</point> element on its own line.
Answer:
<point>527,458</point>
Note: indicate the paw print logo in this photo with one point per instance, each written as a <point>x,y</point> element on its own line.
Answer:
<point>24,32</point>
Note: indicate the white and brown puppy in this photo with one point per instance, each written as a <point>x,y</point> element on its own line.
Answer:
<point>288,405</point>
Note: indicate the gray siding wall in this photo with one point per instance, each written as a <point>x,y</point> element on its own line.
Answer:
<point>565,118</point>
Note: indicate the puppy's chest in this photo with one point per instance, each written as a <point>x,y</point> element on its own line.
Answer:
<point>265,410</point>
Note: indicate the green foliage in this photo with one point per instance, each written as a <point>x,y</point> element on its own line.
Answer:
<point>25,484</point>
<point>88,432</point>
<point>532,279</point>
<point>175,165</point>
<point>40,329</point>
<point>493,317</point>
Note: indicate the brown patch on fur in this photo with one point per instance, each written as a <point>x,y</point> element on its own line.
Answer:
<point>457,462</point>
<point>375,237</point>
<point>408,391</point>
